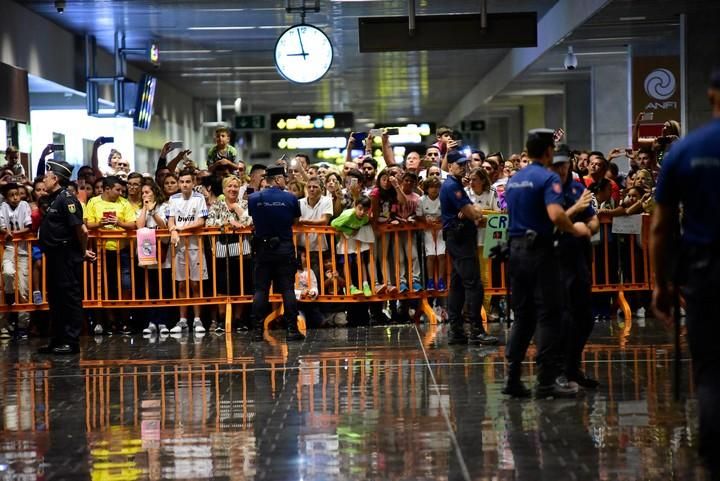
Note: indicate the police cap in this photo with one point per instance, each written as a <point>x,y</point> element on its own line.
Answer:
<point>60,168</point>
<point>456,157</point>
<point>275,170</point>
<point>544,135</point>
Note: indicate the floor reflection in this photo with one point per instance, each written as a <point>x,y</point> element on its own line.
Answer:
<point>347,404</point>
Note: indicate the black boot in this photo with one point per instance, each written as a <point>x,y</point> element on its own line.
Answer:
<point>513,385</point>
<point>479,336</point>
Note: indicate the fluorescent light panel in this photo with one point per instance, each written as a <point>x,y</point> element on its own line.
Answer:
<point>233,27</point>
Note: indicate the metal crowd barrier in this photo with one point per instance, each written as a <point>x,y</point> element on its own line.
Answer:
<point>620,263</point>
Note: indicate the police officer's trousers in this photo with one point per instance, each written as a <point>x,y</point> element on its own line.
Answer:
<point>65,295</point>
<point>578,319</point>
<point>701,280</point>
<point>466,288</point>
<point>276,267</point>
<point>537,294</point>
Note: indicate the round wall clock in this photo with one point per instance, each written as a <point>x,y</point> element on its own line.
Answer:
<point>303,54</point>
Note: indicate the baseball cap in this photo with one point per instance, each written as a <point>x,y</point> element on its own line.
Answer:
<point>562,155</point>
<point>275,170</point>
<point>59,168</point>
<point>456,157</point>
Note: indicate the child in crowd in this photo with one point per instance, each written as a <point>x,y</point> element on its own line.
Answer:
<point>335,314</point>
<point>14,221</point>
<point>359,238</point>
<point>428,212</point>
<point>409,201</point>
<point>187,211</point>
<point>306,291</point>
<point>222,153</point>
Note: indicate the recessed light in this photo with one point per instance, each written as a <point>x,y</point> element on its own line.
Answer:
<point>234,27</point>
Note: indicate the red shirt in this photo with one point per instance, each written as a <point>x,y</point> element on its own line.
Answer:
<point>614,188</point>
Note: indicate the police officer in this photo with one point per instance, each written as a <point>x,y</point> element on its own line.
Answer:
<point>535,206</point>
<point>688,178</point>
<point>63,238</point>
<point>274,212</point>
<point>575,262</point>
<point>460,218</point>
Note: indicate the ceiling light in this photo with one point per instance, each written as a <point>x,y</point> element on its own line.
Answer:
<point>632,19</point>
<point>177,52</point>
<point>609,52</point>
<point>206,74</point>
<point>188,59</point>
<point>220,9</point>
<point>234,27</point>
<point>211,68</point>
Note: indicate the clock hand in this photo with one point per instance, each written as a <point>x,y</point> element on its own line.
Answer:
<point>302,49</point>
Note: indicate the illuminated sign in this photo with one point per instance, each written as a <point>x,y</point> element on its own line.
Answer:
<point>288,142</point>
<point>312,121</point>
<point>154,54</point>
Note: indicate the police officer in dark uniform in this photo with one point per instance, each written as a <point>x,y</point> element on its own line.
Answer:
<point>274,212</point>
<point>63,238</point>
<point>688,178</point>
<point>460,218</point>
<point>535,206</point>
<point>575,268</point>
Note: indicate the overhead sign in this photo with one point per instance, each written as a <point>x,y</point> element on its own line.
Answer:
<point>293,142</point>
<point>249,121</point>
<point>656,88</point>
<point>472,126</point>
<point>312,121</point>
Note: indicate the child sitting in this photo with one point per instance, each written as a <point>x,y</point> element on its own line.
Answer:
<point>222,154</point>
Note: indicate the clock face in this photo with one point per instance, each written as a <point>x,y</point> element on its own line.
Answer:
<point>303,54</point>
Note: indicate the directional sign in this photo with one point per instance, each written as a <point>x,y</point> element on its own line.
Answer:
<point>249,122</point>
<point>312,121</point>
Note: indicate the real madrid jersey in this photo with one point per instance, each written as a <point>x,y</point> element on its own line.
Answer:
<point>186,211</point>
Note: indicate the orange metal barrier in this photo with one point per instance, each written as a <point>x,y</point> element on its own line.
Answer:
<point>620,263</point>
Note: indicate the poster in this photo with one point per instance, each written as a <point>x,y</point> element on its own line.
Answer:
<point>495,232</point>
<point>627,224</point>
<point>656,89</point>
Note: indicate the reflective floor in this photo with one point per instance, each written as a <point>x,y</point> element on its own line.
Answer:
<point>382,403</point>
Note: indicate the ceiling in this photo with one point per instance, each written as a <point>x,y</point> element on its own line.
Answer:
<point>210,64</point>
<point>239,63</point>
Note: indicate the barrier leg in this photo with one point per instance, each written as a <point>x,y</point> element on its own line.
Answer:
<point>624,305</point>
<point>279,312</point>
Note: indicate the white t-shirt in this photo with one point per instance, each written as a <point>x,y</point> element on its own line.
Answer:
<point>187,211</point>
<point>16,220</point>
<point>323,207</point>
<point>428,208</point>
<point>488,200</point>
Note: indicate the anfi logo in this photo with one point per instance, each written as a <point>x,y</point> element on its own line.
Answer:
<point>660,84</point>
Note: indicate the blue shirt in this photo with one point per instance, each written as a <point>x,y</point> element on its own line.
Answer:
<point>273,212</point>
<point>689,175</point>
<point>527,194</point>
<point>452,198</point>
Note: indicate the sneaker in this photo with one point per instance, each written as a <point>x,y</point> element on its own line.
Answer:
<point>37,298</point>
<point>150,329</point>
<point>417,286</point>
<point>199,336</point>
<point>5,334</point>
<point>640,313</point>
<point>430,286</point>
<point>561,388</point>
<point>21,334</point>
<point>380,289</point>
<point>98,329</point>
<point>213,325</point>
<point>179,327</point>
<point>354,291</point>
<point>482,337</point>
<point>403,287</point>
<point>367,292</point>
<point>391,289</point>
<point>198,325</point>
<point>163,330</point>
<point>125,330</point>
<point>441,285</point>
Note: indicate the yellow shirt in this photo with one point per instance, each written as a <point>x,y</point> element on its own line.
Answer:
<point>97,208</point>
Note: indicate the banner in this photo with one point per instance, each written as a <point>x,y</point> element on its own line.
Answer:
<point>656,89</point>
<point>627,224</point>
<point>146,247</point>
<point>495,231</point>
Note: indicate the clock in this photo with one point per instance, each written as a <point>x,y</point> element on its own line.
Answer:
<point>303,54</point>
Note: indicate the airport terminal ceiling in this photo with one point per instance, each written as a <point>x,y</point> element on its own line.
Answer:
<point>224,49</point>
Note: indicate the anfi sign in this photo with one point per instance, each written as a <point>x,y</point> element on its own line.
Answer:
<point>655,87</point>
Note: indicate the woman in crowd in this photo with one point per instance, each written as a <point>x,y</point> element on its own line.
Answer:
<point>231,213</point>
<point>333,187</point>
<point>384,208</point>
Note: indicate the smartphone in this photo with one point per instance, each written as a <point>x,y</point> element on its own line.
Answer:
<point>359,136</point>
<point>375,132</point>
<point>107,140</point>
<point>392,131</point>
<point>353,181</point>
<point>647,116</point>
<point>176,145</point>
<point>108,214</point>
<point>57,147</point>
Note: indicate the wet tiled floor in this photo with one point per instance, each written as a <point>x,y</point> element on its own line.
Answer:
<point>384,403</point>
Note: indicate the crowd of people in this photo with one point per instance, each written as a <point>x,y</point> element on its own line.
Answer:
<point>355,198</point>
